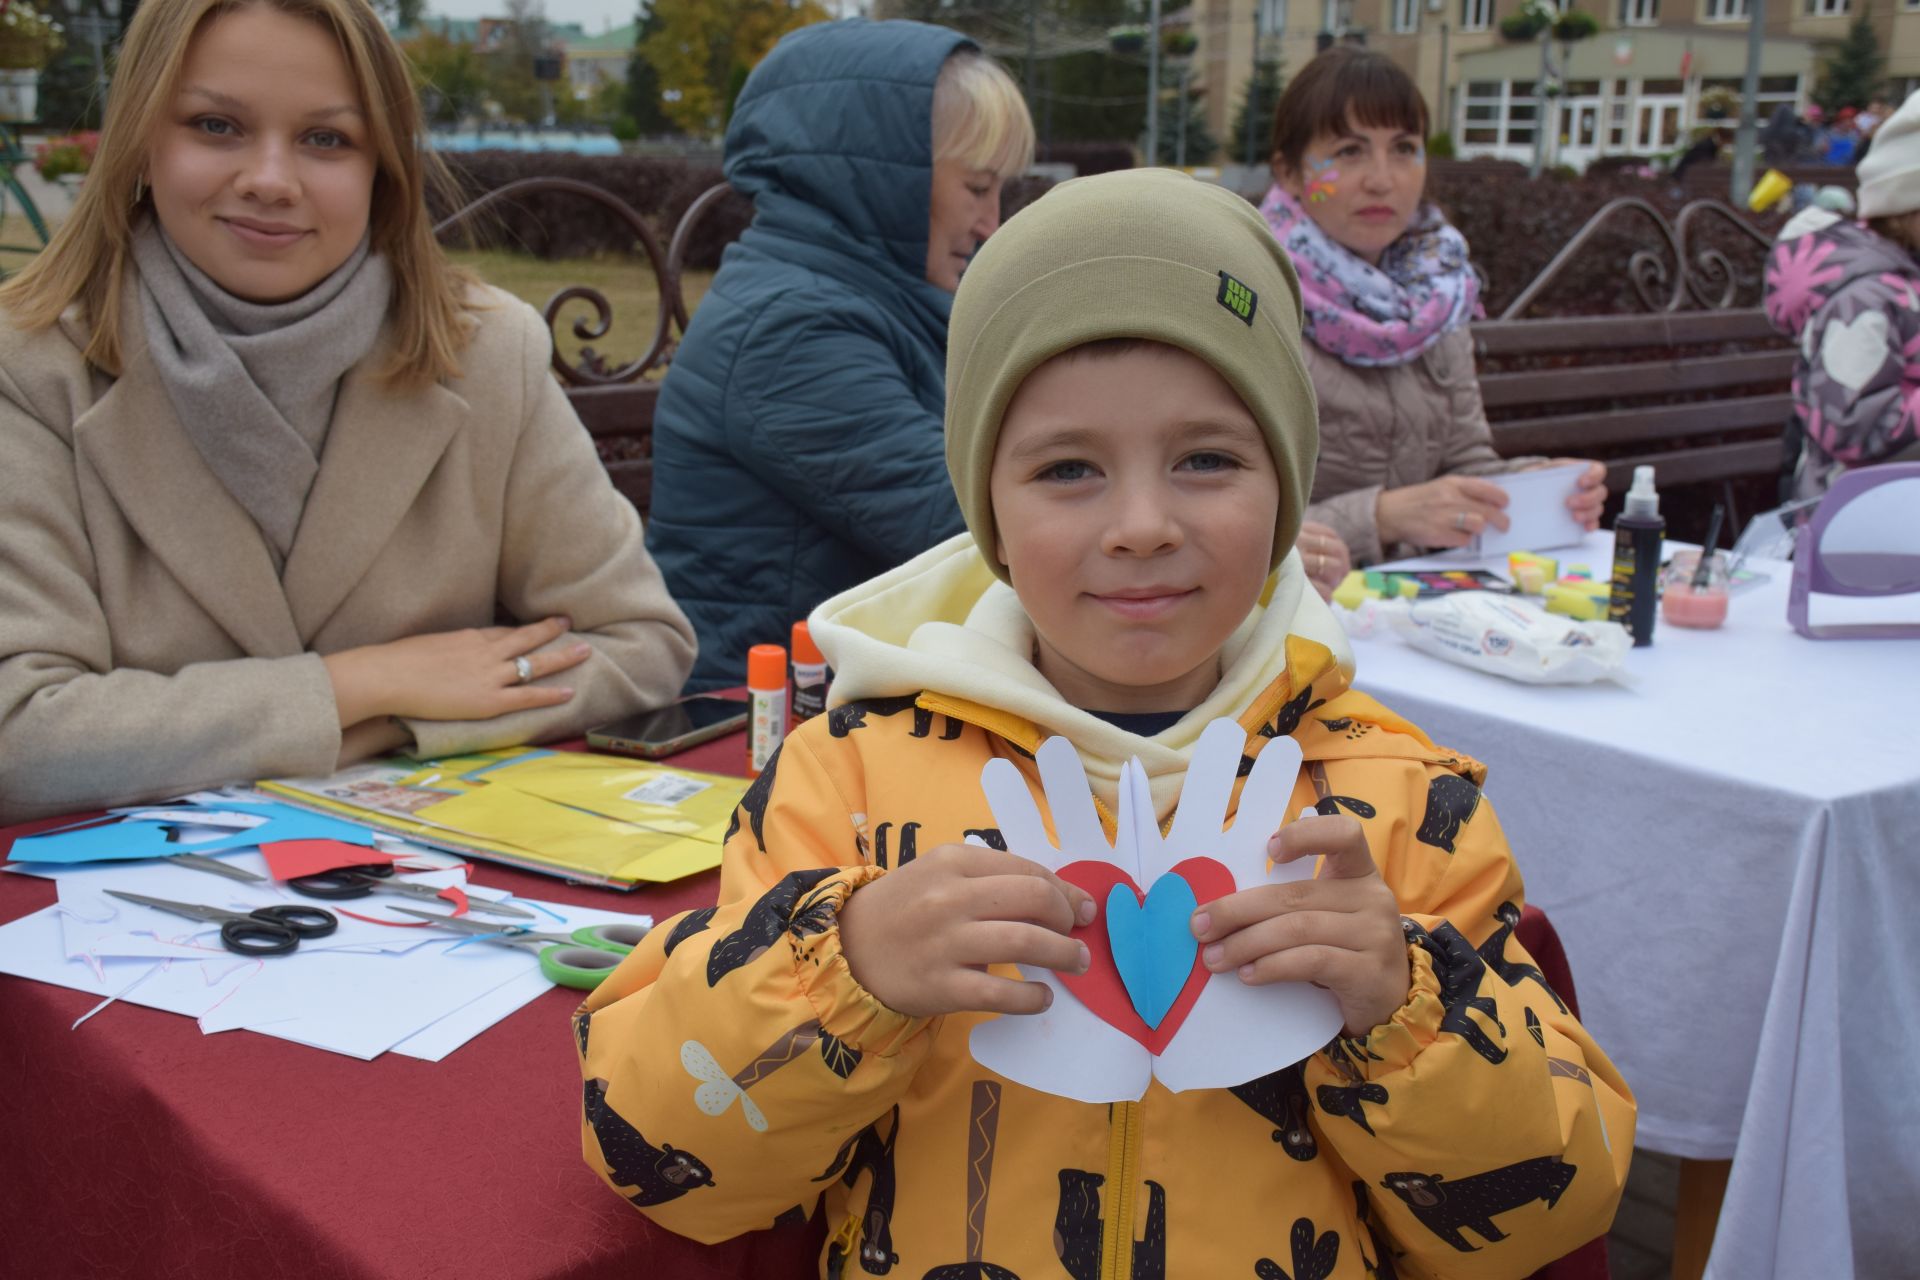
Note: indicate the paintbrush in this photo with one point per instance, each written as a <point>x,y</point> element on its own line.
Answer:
<point>1703,572</point>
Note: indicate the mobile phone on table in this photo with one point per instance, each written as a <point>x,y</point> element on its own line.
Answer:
<point>687,723</point>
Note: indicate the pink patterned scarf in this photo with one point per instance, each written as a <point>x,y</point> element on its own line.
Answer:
<point>1423,288</point>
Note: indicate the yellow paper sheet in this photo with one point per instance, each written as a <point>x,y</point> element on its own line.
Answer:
<point>560,812</point>
<point>607,791</point>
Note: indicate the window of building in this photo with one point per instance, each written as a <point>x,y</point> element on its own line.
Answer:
<point>1476,15</point>
<point>1481,111</point>
<point>1496,113</point>
<point>1727,10</point>
<point>1406,15</point>
<point>1644,13</point>
<point>1828,8</point>
<point>1617,125</point>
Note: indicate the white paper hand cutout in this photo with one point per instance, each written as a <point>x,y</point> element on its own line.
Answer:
<point>1234,1033</point>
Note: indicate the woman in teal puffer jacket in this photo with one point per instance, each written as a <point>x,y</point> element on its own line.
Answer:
<point>797,444</point>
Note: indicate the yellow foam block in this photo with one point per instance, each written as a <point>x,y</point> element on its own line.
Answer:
<point>1576,601</point>
<point>1352,590</point>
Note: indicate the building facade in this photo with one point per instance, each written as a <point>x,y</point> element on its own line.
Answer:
<point>1656,70</point>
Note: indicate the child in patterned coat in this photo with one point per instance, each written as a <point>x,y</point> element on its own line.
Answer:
<point>1130,434</point>
<point>1848,293</point>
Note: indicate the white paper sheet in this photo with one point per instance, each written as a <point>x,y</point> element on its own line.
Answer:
<point>1537,511</point>
<point>359,1004</point>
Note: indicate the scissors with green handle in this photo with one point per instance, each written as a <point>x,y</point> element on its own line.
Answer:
<point>580,959</point>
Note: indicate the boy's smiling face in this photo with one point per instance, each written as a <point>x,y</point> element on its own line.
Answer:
<point>1134,504</point>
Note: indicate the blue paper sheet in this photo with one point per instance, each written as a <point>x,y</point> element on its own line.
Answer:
<point>124,841</point>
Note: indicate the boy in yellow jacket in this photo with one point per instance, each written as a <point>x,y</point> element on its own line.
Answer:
<point>1131,436</point>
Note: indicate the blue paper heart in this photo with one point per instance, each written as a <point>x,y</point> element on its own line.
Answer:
<point>1153,944</point>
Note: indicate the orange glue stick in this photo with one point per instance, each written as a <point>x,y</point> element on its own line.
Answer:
<point>767,704</point>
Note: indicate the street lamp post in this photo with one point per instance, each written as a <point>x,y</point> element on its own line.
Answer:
<point>1749,104</point>
<point>1153,84</point>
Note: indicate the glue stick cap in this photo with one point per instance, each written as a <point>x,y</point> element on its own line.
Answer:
<point>766,667</point>
<point>1642,500</point>
<point>805,651</point>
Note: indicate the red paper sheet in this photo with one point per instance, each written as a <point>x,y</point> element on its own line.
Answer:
<point>287,859</point>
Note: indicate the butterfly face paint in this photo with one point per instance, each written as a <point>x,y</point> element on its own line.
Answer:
<point>1322,180</point>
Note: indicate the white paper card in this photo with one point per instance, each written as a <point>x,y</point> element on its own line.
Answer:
<point>1234,1033</point>
<point>1537,510</point>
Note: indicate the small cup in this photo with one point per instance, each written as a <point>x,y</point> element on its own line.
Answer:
<point>1681,604</point>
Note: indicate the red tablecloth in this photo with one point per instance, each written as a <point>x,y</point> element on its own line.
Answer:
<point>136,1146</point>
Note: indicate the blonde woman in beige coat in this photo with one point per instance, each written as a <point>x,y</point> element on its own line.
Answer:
<point>1388,294</point>
<point>269,466</point>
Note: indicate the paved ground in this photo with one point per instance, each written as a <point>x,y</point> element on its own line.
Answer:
<point>1640,1246</point>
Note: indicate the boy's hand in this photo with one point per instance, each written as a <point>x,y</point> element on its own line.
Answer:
<point>1340,931</point>
<point>920,938</point>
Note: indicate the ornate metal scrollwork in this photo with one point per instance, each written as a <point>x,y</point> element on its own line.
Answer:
<point>1706,276</point>
<point>667,268</point>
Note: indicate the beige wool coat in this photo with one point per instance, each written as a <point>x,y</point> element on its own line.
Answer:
<point>147,645</point>
<point>1392,426</point>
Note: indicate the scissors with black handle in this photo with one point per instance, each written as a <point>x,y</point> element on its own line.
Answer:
<point>265,931</point>
<point>345,883</point>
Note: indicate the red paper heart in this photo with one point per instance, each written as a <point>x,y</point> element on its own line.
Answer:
<point>1100,987</point>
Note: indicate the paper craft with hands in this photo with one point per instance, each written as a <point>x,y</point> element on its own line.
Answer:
<point>1146,1008</point>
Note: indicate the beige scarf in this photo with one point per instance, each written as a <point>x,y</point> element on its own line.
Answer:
<point>254,384</point>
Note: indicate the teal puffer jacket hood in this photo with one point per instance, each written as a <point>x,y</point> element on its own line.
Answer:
<point>797,442</point>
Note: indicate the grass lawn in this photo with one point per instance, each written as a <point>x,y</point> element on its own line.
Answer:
<point>627,281</point>
<point>18,236</point>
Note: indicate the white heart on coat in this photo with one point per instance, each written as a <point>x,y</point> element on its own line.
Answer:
<point>1852,352</point>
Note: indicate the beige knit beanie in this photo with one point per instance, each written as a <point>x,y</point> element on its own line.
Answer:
<point>1145,253</point>
<point>1890,173</point>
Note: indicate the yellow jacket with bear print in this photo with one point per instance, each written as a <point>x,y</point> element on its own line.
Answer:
<point>735,1071</point>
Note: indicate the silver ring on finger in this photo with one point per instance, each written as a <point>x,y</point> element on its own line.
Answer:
<point>1460,521</point>
<point>522,669</point>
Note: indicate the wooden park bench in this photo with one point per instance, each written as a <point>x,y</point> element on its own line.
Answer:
<point>615,404</point>
<point>1696,387</point>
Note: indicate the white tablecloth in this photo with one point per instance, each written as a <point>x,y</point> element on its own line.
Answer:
<point>1729,845</point>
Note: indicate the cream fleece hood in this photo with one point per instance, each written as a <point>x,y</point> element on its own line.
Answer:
<point>944,623</point>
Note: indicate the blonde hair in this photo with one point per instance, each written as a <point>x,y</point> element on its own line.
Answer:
<point>88,259</point>
<point>979,117</point>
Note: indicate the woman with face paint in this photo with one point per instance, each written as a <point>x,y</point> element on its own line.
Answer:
<point>1388,294</point>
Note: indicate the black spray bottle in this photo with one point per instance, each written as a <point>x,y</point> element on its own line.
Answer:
<point>1637,536</point>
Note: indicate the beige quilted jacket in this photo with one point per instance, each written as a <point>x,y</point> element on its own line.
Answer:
<point>1384,428</point>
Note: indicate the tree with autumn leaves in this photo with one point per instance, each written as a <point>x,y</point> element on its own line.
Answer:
<point>702,51</point>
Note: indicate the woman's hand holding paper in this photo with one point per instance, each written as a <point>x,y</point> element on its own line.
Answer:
<point>1447,512</point>
<point>1340,931</point>
<point>920,938</point>
<point>1590,495</point>
<point>454,675</point>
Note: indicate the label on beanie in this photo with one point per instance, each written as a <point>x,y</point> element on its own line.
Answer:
<point>1237,298</point>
